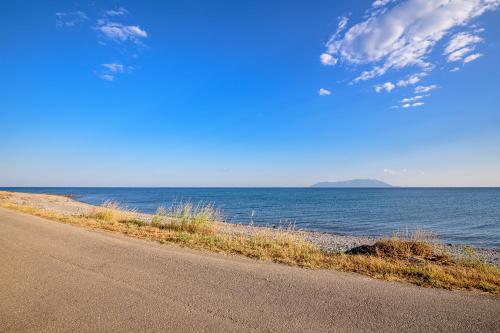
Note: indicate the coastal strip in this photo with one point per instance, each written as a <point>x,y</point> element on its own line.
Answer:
<point>410,260</point>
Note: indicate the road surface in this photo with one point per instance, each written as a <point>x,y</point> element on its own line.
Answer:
<point>56,277</point>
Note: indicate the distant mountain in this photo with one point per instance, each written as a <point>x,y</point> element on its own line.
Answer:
<point>353,183</point>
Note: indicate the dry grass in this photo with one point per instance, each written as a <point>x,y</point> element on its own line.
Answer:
<point>111,211</point>
<point>399,249</point>
<point>200,219</point>
<point>399,258</point>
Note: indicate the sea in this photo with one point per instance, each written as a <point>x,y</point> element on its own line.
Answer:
<point>455,215</point>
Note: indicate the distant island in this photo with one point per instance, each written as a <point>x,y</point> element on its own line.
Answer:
<point>353,183</point>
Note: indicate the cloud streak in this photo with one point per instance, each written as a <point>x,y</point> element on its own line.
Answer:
<point>404,34</point>
<point>327,60</point>
<point>461,44</point>
<point>412,105</point>
<point>472,57</point>
<point>324,92</point>
<point>388,87</point>
<point>401,34</point>
<point>120,33</point>
<point>70,19</point>
<point>117,12</point>
<point>425,89</point>
<point>108,72</point>
<point>110,26</point>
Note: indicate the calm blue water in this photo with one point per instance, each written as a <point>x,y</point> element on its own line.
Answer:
<point>457,215</point>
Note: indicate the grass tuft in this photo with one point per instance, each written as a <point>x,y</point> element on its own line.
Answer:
<point>187,217</point>
<point>111,211</point>
<point>401,249</point>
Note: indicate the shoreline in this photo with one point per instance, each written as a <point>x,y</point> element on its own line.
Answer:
<point>327,241</point>
<point>456,226</point>
<point>337,242</point>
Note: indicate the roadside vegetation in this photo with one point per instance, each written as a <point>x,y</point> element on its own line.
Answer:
<point>406,257</point>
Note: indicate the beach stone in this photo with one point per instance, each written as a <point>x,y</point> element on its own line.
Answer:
<point>363,249</point>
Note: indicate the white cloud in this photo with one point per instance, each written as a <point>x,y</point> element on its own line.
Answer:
<point>409,105</point>
<point>70,19</point>
<point>390,172</point>
<point>109,71</point>
<point>108,31</point>
<point>327,60</point>
<point>121,33</point>
<point>412,99</point>
<point>324,92</point>
<point>461,44</point>
<point>376,71</point>
<point>114,68</point>
<point>117,12</point>
<point>459,54</point>
<point>472,57</point>
<point>411,80</point>
<point>388,86</point>
<point>460,40</point>
<point>402,172</point>
<point>342,23</point>
<point>380,3</point>
<point>404,34</point>
<point>424,89</point>
<point>395,172</point>
<point>455,69</point>
<point>107,77</point>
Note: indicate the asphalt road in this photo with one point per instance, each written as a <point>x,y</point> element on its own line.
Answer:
<point>56,277</point>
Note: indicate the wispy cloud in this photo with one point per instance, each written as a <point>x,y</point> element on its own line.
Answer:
<point>390,172</point>
<point>117,12</point>
<point>472,57</point>
<point>411,80</point>
<point>380,3</point>
<point>119,33</point>
<point>395,35</point>
<point>395,172</point>
<point>401,172</point>
<point>411,105</point>
<point>409,102</point>
<point>109,71</point>
<point>327,59</point>
<point>388,86</point>
<point>459,54</point>
<point>70,19</point>
<point>324,92</point>
<point>424,89</point>
<point>460,44</point>
<point>420,25</point>
<point>412,99</point>
<point>110,26</point>
<point>114,68</point>
<point>107,77</point>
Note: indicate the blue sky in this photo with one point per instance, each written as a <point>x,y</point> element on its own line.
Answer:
<point>249,93</point>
